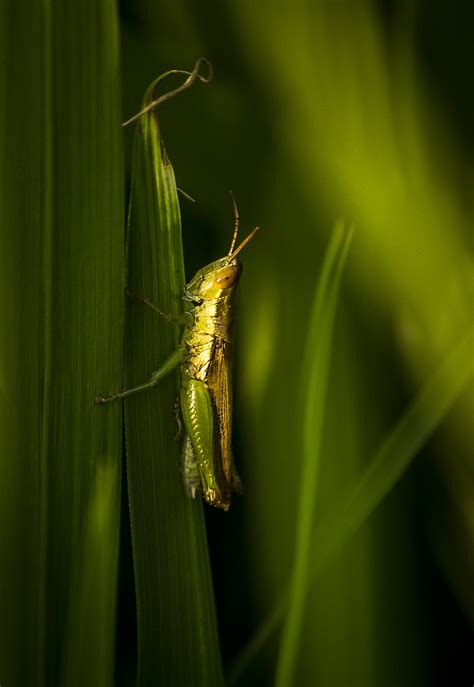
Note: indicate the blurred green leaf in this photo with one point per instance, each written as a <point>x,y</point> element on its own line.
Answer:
<point>177,633</point>
<point>315,373</point>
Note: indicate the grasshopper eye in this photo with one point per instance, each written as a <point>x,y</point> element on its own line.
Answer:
<point>227,276</point>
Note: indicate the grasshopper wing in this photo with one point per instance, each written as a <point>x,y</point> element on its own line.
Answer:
<point>219,382</point>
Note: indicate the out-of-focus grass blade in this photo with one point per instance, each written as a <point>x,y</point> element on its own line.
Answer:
<point>177,634</point>
<point>414,428</point>
<point>395,454</point>
<point>61,233</point>
<point>316,364</point>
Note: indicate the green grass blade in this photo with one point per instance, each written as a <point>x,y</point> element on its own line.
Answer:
<point>25,213</point>
<point>316,364</point>
<point>401,446</point>
<point>86,342</point>
<point>61,234</point>
<point>177,633</point>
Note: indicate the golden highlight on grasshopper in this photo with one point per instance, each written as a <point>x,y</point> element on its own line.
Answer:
<point>205,359</point>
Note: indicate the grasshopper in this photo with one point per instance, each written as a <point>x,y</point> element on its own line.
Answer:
<point>205,360</point>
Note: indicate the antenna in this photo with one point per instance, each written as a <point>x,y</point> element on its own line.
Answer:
<point>243,244</point>
<point>236,224</point>
<point>232,253</point>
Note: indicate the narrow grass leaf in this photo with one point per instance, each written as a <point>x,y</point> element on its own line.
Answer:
<point>316,364</point>
<point>85,264</point>
<point>177,633</point>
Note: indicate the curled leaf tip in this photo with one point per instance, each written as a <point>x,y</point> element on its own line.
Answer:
<point>192,77</point>
<point>197,68</point>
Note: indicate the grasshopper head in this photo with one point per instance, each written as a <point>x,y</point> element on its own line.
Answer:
<point>217,279</point>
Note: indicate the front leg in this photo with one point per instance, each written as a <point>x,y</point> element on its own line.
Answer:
<point>170,317</point>
<point>170,363</point>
